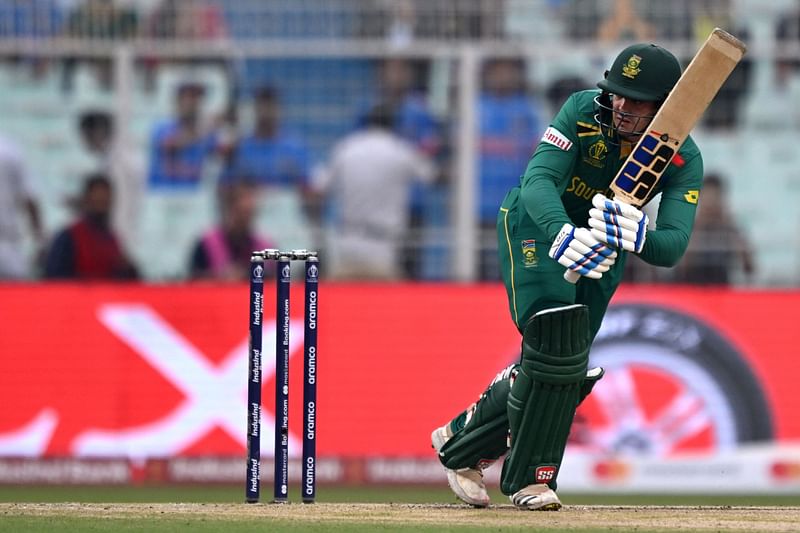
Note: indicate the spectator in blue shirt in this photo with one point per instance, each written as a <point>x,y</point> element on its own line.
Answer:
<point>269,155</point>
<point>509,132</point>
<point>181,146</point>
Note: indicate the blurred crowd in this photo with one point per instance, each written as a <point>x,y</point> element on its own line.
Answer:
<point>374,192</point>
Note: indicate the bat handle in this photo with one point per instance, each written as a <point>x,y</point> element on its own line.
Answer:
<point>571,276</point>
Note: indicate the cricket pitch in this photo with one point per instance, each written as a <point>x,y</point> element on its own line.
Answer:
<point>431,517</point>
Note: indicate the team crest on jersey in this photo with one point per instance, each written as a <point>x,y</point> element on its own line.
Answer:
<point>631,68</point>
<point>597,153</point>
<point>529,258</point>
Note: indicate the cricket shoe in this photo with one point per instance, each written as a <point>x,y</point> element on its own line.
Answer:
<point>537,497</point>
<point>466,483</point>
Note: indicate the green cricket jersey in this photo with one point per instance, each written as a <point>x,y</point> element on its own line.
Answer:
<point>572,163</point>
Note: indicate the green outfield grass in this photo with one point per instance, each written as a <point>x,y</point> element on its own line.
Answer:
<point>356,494</point>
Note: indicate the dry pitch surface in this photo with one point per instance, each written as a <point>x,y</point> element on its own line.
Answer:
<point>431,516</point>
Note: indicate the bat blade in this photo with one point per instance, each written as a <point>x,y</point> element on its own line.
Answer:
<point>638,177</point>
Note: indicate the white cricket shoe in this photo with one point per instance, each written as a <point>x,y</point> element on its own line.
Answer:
<point>537,497</point>
<point>466,483</point>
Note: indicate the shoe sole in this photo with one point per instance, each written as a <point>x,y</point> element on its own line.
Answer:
<point>554,504</point>
<point>549,507</point>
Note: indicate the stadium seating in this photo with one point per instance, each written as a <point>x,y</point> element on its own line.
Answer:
<point>321,95</point>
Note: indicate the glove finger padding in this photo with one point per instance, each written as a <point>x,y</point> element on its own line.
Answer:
<point>612,206</point>
<point>572,257</point>
<point>593,258</point>
<point>581,252</point>
<point>617,224</point>
<point>613,235</point>
<point>588,256</point>
<point>588,243</point>
<point>606,217</point>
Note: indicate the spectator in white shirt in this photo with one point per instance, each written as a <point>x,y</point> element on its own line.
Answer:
<point>367,180</point>
<point>17,201</point>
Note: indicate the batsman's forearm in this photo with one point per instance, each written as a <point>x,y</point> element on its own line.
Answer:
<point>542,202</point>
<point>664,248</point>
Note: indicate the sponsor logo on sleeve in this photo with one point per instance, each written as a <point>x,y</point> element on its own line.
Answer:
<point>692,196</point>
<point>556,138</point>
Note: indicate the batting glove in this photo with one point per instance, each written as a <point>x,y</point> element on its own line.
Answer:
<point>579,251</point>
<point>617,224</point>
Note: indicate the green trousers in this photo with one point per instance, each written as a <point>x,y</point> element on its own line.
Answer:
<point>534,281</point>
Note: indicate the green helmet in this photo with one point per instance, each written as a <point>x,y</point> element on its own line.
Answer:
<point>642,72</point>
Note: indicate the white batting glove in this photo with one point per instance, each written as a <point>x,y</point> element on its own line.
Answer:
<point>617,224</point>
<point>579,251</point>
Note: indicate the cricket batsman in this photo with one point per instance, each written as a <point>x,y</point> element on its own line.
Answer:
<point>527,410</point>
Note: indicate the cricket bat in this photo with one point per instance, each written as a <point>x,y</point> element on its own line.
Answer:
<point>636,181</point>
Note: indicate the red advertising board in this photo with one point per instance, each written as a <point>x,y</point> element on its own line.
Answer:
<point>142,371</point>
